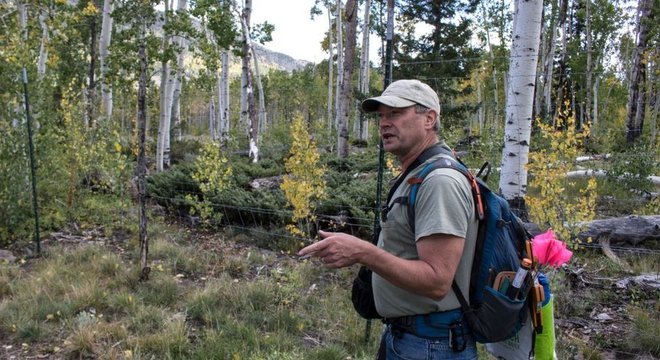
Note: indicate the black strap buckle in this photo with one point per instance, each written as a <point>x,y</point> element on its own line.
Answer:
<point>457,340</point>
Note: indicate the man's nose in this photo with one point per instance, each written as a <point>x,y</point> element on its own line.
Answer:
<point>384,122</point>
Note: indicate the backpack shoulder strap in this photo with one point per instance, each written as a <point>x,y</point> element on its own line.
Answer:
<point>441,163</point>
<point>422,158</point>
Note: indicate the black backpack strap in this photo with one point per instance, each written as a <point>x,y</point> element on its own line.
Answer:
<point>461,299</point>
<point>441,163</point>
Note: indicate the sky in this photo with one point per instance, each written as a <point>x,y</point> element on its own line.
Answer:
<point>295,33</point>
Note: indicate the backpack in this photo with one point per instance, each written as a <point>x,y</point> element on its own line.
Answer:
<point>502,243</point>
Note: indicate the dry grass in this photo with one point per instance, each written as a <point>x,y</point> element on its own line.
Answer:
<point>215,299</point>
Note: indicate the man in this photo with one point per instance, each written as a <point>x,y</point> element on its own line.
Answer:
<point>414,270</point>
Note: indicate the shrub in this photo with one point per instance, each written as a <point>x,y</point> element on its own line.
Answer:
<point>554,201</point>
<point>304,184</point>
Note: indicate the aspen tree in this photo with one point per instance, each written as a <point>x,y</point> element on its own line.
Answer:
<point>519,100</point>
<point>303,184</point>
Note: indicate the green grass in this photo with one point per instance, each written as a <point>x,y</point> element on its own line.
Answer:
<point>241,302</point>
<point>87,302</point>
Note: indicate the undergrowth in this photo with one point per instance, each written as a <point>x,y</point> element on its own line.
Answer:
<point>86,302</point>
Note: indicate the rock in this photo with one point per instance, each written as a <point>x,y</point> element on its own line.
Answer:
<point>603,317</point>
<point>6,256</point>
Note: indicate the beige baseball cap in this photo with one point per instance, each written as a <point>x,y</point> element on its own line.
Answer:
<point>404,93</point>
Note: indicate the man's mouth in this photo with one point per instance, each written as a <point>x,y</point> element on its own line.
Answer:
<point>387,136</point>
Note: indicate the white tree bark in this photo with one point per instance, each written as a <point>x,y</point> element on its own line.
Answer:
<point>363,132</point>
<point>104,43</point>
<point>330,70</point>
<point>43,48</point>
<point>481,113</point>
<point>248,112</point>
<point>594,120</point>
<point>176,91</point>
<point>166,92</point>
<point>23,19</point>
<point>340,61</point>
<point>224,98</point>
<point>212,120</point>
<point>347,85</point>
<point>520,96</point>
<point>260,88</point>
<point>22,23</point>
<point>216,130</point>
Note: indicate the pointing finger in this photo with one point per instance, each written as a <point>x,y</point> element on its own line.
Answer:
<point>311,249</point>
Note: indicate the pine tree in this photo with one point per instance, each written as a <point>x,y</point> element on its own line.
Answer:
<point>441,57</point>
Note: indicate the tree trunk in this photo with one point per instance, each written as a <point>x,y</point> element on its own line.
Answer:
<point>346,83</point>
<point>491,55</point>
<point>261,118</point>
<point>561,82</point>
<point>104,43</point>
<point>166,90</point>
<point>548,68</point>
<point>176,90</point>
<point>636,91</point>
<point>363,129</point>
<point>520,96</point>
<point>248,111</point>
<point>23,25</point>
<point>212,119</point>
<point>141,160</point>
<point>654,106</point>
<point>481,111</point>
<point>91,88</point>
<point>23,20</point>
<point>340,63</point>
<point>587,102</point>
<point>594,117</point>
<point>330,71</point>
<point>224,99</point>
<point>43,49</point>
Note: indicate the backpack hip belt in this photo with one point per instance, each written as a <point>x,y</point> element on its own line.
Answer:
<point>435,325</point>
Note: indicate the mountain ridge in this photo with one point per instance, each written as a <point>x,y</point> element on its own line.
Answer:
<point>270,59</point>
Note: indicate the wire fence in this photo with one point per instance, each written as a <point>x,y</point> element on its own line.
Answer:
<point>269,223</point>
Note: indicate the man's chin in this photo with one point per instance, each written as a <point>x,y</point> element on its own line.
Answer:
<point>390,147</point>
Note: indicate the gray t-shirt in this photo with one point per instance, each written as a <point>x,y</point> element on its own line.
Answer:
<point>444,206</point>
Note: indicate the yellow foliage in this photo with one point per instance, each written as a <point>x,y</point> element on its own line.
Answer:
<point>303,184</point>
<point>391,166</point>
<point>550,202</point>
<point>212,174</point>
<point>90,9</point>
<point>84,152</point>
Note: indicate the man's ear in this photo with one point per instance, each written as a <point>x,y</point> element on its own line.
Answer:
<point>431,118</point>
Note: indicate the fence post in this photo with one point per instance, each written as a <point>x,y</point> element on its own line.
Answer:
<point>33,167</point>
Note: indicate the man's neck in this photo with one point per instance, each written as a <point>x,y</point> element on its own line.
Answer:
<point>409,159</point>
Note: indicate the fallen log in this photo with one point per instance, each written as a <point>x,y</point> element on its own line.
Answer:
<point>602,173</point>
<point>632,229</point>
<point>586,158</point>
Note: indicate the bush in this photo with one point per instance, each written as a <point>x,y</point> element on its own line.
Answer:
<point>631,169</point>
<point>169,188</point>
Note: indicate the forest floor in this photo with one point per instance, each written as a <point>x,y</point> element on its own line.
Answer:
<point>601,311</point>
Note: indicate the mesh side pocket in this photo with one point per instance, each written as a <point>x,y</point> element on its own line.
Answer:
<point>498,317</point>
